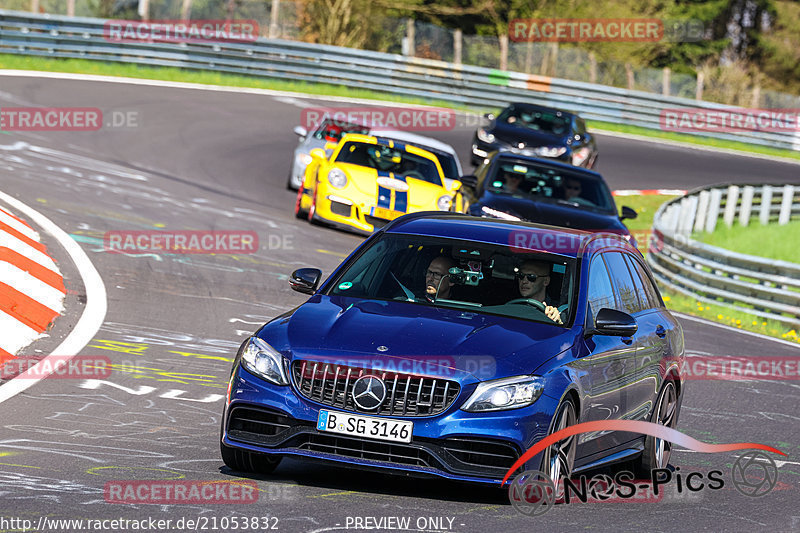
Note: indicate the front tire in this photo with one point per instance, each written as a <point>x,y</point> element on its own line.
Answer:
<point>559,459</point>
<point>244,461</point>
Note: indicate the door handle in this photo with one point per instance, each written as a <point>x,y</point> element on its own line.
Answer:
<point>627,340</point>
<point>660,331</point>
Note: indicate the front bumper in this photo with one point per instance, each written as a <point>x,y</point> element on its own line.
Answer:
<point>455,445</point>
<point>334,208</point>
<point>481,149</point>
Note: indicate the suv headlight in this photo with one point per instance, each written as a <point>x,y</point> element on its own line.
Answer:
<point>337,178</point>
<point>444,203</point>
<point>485,136</point>
<point>506,393</point>
<point>263,360</point>
<point>304,159</point>
<point>550,151</point>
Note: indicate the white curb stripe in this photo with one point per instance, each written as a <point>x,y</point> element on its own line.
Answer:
<point>31,286</point>
<point>22,335</point>
<point>23,248</point>
<point>7,219</point>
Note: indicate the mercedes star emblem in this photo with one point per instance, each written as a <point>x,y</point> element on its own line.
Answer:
<point>369,392</point>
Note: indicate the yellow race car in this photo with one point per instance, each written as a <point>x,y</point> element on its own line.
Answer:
<point>368,181</point>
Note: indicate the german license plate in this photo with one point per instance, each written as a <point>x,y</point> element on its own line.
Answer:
<point>386,214</point>
<point>364,426</point>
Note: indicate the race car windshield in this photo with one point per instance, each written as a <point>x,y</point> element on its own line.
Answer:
<point>386,159</point>
<point>525,180</point>
<point>480,278</point>
<point>544,121</point>
<point>332,130</point>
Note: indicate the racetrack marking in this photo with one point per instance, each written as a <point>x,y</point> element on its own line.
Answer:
<point>93,314</point>
<point>337,254</point>
<point>737,330</point>
<point>172,394</point>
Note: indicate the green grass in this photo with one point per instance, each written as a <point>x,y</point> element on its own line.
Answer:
<point>770,241</point>
<point>726,315</point>
<point>85,66</point>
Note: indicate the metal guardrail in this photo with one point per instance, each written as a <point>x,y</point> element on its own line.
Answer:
<point>712,274</point>
<point>73,37</point>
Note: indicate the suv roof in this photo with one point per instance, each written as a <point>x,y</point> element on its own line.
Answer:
<point>546,163</point>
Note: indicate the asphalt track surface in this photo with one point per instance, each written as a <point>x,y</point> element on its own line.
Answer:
<point>219,160</point>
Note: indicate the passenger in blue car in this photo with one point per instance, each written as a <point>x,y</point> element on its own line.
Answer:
<point>533,277</point>
<point>437,283</point>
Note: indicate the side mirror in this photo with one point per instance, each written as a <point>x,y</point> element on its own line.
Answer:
<point>614,323</point>
<point>318,153</point>
<point>331,146</point>
<point>300,131</point>
<point>305,280</point>
<point>627,212</point>
<point>470,181</point>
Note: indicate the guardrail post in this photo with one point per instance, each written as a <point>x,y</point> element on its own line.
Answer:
<point>713,210</point>
<point>766,205</point>
<point>747,205</point>
<point>702,210</point>
<point>730,205</point>
<point>786,205</point>
<point>686,219</point>
<point>665,81</point>
<point>458,40</point>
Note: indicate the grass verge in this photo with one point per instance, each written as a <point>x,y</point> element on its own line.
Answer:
<point>770,241</point>
<point>85,66</point>
<point>646,207</point>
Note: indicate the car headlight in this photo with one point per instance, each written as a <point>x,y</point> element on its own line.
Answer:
<point>550,151</point>
<point>444,203</point>
<point>506,393</point>
<point>263,360</point>
<point>337,178</point>
<point>485,136</point>
<point>580,156</point>
<point>303,159</point>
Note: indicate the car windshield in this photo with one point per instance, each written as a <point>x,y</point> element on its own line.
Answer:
<point>386,159</point>
<point>332,130</point>
<point>534,119</point>
<point>478,278</point>
<point>526,179</point>
<point>447,162</point>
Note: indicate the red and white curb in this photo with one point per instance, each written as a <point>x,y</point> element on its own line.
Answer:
<point>647,192</point>
<point>31,286</point>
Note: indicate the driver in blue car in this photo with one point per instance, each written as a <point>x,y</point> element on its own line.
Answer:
<point>437,282</point>
<point>533,277</point>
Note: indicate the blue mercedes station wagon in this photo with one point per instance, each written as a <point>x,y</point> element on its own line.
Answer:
<point>447,345</point>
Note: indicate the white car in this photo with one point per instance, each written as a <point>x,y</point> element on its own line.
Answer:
<point>330,131</point>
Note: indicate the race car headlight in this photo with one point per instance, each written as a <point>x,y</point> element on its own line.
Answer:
<point>485,136</point>
<point>263,360</point>
<point>303,159</point>
<point>506,393</point>
<point>337,178</point>
<point>580,156</point>
<point>444,203</point>
<point>550,151</point>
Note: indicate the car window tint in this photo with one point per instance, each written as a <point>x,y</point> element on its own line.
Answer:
<point>601,292</point>
<point>386,159</point>
<point>650,290</point>
<point>621,276</point>
<point>638,283</point>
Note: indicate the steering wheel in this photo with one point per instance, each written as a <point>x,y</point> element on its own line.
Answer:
<point>414,174</point>
<point>530,301</point>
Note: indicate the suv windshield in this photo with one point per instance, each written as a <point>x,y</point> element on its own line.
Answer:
<point>383,158</point>
<point>527,179</point>
<point>534,119</point>
<point>480,278</point>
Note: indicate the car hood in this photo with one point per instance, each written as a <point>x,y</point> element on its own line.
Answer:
<point>513,135</point>
<point>544,212</point>
<point>416,338</point>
